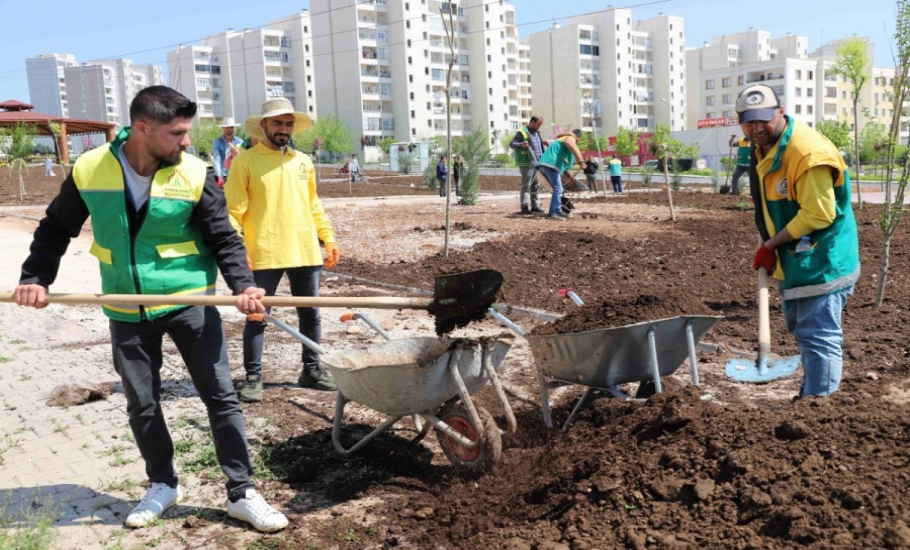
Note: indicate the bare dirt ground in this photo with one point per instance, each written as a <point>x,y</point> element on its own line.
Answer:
<point>721,465</point>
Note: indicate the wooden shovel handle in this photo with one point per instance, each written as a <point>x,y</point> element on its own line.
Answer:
<point>375,302</point>
<point>764,322</point>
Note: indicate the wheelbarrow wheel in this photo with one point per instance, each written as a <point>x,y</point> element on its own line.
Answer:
<point>481,457</point>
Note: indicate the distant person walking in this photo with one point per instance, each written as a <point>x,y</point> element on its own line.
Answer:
<point>458,172</point>
<point>442,175</point>
<point>226,146</point>
<point>354,168</point>
<point>529,147</point>
<point>48,168</point>
<point>616,174</point>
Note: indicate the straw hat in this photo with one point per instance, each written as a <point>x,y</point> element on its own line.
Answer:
<point>228,122</point>
<point>277,107</point>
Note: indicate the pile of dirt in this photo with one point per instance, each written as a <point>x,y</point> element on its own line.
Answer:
<point>622,312</point>
<point>683,472</point>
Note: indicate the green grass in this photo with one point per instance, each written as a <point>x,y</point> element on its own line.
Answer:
<point>7,444</point>
<point>4,359</point>
<point>28,530</point>
<point>204,459</point>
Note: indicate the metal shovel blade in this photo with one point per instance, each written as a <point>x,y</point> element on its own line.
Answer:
<point>763,369</point>
<point>461,298</point>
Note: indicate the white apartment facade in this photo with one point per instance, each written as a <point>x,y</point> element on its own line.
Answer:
<point>231,74</point>
<point>47,85</point>
<point>603,70</point>
<point>98,90</point>
<point>806,84</point>
<point>382,67</point>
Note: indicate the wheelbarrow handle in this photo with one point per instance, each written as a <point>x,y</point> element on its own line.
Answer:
<point>375,302</point>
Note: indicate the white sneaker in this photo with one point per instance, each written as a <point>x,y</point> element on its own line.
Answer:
<point>254,510</point>
<point>157,499</point>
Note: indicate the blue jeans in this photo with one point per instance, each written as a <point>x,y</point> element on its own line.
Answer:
<point>304,282</point>
<point>555,181</point>
<point>816,324</point>
<point>198,335</point>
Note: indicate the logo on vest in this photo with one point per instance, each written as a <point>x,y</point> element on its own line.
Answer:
<point>303,173</point>
<point>178,188</point>
<point>782,187</point>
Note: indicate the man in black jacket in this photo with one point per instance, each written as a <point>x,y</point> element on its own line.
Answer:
<point>160,226</point>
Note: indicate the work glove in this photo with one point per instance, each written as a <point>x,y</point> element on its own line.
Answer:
<point>332,255</point>
<point>220,181</point>
<point>764,257</point>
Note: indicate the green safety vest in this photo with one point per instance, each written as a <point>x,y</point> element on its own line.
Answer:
<point>522,155</point>
<point>168,254</point>
<point>832,262</point>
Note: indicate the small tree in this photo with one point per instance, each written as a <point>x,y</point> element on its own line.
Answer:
<point>18,142</point>
<point>893,211</point>
<point>838,131</point>
<point>659,147</point>
<point>474,149</point>
<point>853,64</point>
<point>203,135</point>
<point>337,137</point>
<point>873,141</point>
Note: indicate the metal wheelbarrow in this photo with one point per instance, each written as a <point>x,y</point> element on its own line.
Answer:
<point>603,359</point>
<point>429,378</point>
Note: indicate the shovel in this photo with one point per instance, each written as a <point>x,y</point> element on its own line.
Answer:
<point>765,367</point>
<point>458,299</point>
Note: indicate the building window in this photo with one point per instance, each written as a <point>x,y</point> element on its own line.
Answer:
<point>709,100</point>
<point>799,109</point>
<point>727,99</point>
<point>727,82</point>
<point>709,84</point>
<point>798,92</point>
<point>740,80</point>
<point>799,74</point>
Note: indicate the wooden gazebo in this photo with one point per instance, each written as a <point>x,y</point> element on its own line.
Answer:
<point>13,112</point>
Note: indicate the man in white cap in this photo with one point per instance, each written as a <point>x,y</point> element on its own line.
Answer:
<point>223,147</point>
<point>272,200</point>
<point>802,196</point>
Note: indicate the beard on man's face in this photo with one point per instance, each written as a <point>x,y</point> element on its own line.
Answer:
<point>278,139</point>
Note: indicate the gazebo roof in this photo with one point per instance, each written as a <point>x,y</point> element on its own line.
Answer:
<point>13,112</point>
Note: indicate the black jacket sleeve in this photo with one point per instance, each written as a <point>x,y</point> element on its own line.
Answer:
<point>211,217</point>
<point>62,223</point>
<point>517,140</point>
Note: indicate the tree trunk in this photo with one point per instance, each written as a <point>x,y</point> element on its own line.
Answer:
<point>883,271</point>
<point>859,190</point>
<point>667,184</point>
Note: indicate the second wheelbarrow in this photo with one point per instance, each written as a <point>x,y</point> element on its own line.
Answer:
<point>605,358</point>
<point>430,378</point>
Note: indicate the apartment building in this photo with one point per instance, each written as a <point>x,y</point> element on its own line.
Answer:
<point>47,85</point>
<point>720,70</point>
<point>232,73</point>
<point>806,83</point>
<point>382,68</point>
<point>603,70</point>
<point>98,90</point>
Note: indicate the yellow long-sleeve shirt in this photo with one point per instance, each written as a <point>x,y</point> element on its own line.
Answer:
<point>272,201</point>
